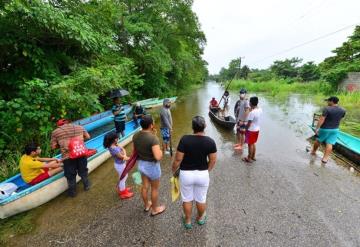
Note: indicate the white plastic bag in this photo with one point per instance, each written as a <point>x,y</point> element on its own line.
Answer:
<point>6,189</point>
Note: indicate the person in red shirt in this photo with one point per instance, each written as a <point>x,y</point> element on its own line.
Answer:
<point>214,103</point>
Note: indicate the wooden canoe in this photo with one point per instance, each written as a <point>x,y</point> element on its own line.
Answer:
<point>230,124</point>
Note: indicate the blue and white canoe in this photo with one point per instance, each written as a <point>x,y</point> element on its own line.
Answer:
<point>28,197</point>
<point>103,118</point>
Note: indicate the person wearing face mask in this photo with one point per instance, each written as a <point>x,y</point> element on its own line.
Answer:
<point>166,124</point>
<point>241,112</point>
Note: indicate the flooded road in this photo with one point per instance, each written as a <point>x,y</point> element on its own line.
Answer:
<point>286,198</point>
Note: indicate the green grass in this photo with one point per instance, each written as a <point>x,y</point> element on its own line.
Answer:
<point>318,89</point>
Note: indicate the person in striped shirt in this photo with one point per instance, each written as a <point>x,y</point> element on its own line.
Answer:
<point>119,117</point>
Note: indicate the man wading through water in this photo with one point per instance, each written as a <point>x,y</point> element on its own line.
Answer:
<point>241,112</point>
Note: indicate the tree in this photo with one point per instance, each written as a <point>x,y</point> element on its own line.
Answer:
<point>309,72</point>
<point>287,68</point>
<point>244,72</point>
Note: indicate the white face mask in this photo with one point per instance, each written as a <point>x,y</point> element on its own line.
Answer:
<point>242,95</point>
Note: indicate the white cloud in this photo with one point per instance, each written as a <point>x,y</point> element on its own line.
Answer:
<point>258,29</point>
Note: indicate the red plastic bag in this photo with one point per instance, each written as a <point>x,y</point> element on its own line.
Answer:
<point>77,148</point>
<point>91,152</point>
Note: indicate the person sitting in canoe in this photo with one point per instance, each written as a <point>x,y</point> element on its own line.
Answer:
<point>214,105</point>
<point>34,169</point>
<point>139,112</point>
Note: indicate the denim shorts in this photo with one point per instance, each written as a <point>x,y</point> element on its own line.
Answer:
<point>165,132</point>
<point>150,169</point>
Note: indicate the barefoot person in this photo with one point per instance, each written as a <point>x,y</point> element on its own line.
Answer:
<point>327,128</point>
<point>119,154</point>
<point>252,129</point>
<point>166,125</point>
<point>34,169</point>
<point>196,156</point>
<point>149,153</point>
<point>241,112</point>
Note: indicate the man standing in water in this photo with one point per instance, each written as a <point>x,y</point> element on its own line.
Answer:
<point>166,124</point>
<point>327,128</point>
<point>241,112</point>
<point>119,117</point>
<point>252,129</point>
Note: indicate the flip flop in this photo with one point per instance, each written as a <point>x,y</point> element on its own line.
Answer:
<point>246,159</point>
<point>324,162</point>
<point>253,159</point>
<point>160,212</point>
<point>147,209</point>
<point>186,225</point>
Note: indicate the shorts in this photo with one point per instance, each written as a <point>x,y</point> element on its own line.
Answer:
<point>150,169</point>
<point>165,133</point>
<point>119,126</point>
<point>194,185</point>
<point>241,129</point>
<point>329,136</point>
<point>251,137</point>
<point>41,177</point>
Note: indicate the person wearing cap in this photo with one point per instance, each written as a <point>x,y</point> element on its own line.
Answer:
<point>60,138</point>
<point>241,111</point>
<point>327,128</point>
<point>139,112</point>
<point>119,117</point>
<point>166,124</point>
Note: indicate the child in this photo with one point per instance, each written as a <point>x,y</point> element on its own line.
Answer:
<point>252,129</point>
<point>120,158</point>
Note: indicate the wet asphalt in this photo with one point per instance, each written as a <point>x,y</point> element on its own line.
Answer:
<point>285,198</point>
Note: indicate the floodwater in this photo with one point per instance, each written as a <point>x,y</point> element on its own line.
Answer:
<point>286,198</point>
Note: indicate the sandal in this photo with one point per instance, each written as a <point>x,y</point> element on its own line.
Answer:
<point>186,225</point>
<point>247,160</point>
<point>148,207</point>
<point>162,210</point>
<point>324,161</point>
<point>202,220</point>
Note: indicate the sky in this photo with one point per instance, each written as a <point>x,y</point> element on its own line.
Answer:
<point>260,30</point>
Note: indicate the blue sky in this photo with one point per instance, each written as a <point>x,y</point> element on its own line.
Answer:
<point>259,29</point>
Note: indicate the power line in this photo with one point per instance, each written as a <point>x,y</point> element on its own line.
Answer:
<point>307,42</point>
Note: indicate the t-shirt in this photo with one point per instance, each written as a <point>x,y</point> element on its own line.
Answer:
<point>214,103</point>
<point>165,118</point>
<point>121,116</point>
<point>62,135</point>
<point>239,110</point>
<point>30,168</point>
<point>143,143</point>
<point>333,115</point>
<point>196,150</point>
<point>114,151</point>
<point>225,101</point>
<point>255,117</point>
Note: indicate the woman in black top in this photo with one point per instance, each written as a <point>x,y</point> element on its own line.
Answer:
<point>196,156</point>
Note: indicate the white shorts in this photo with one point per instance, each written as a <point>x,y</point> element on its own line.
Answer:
<point>194,185</point>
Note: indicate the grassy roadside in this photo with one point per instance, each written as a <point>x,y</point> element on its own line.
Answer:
<point>318,90</point>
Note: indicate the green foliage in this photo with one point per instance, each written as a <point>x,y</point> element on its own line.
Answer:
<point>59,58</point>
<point>287,68</point>
<point>346,59</point>
<point>309,72</point>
